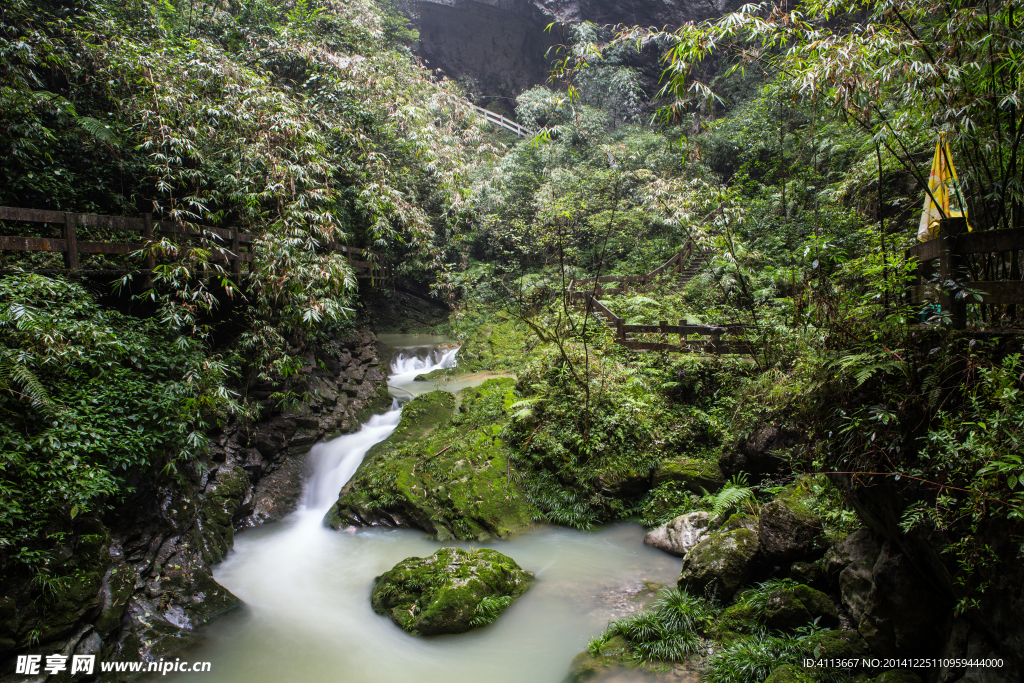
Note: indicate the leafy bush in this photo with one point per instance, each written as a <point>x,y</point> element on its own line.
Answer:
<point>91,400</point>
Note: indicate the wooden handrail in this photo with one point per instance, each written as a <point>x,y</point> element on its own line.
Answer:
<point>226,249</point>
<point>500,120</point>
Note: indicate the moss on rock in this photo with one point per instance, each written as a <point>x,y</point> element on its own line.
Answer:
<point>791,673</point>
<point>720,563</point>
<point>443,470</point>
<point>440,373</point>
<point>738,618</point>
<point>695,475</point>
<point>452,591</point>
<point>838,644</point>
<point>790,608</point>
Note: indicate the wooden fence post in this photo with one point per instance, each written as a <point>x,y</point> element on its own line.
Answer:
<point>620,332</point>
<point>682,337</point>
<point>70,242</point>
<point>149,261</point>
<point>236,264</point>
<point>953,267</point>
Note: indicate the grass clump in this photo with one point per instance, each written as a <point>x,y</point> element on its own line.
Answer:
<point>669,631</point>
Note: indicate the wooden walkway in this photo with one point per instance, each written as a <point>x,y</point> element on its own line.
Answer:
<point>499,120</point>
<point>135,234</point>
<point>684,264</point>
<point>989,263</point>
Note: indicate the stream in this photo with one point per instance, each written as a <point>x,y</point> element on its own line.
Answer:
<point>306,588</point>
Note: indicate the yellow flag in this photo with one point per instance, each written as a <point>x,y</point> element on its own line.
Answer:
<point>942,184</point>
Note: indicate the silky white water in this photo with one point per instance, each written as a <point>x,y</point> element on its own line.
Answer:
<point>306,591</point>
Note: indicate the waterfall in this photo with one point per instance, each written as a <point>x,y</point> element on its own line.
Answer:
<point>332,464</point>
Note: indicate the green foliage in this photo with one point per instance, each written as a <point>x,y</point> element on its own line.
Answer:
<point>91,399</point>
<point>731,496</point>
<point>489,609</point>
<point>667,632</point>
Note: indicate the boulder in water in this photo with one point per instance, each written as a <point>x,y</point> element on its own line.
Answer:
<point>681,534</point>
<point>452,591</point>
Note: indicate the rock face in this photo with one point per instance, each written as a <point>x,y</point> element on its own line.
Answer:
<point>681,534</point>
<point>893,608</point>
<point>441,471</point>
<point>500,44</point>
<point>452,591</point>
<point>720,563</point>
<point>143,581</point>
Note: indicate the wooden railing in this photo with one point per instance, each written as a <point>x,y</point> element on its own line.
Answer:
<point>713,343</point>
<point>676,264</point>
<point>500,120</point>
<point>222,245</point>
<point>145,227</point>
<point>986,263</point>
<point>711,335</point>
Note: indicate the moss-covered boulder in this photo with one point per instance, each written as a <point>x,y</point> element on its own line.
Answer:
<point>435,375</point>
<point>837,645</point>
<point>740,617</point>
<point>789,608</point>
<point>695,475</point>
<point>612,658</point>
<point>788,528</point>
<point>452,591</point>
<point>791,673</point>
<point>720,563</point>
<point>443,470</point>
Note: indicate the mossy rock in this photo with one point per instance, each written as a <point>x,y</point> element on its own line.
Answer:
<point>452,591</point>
<point>740,521</point>
<point>737,618</point>
<point>720,563</point>
<point>837,645</point>
<point>613,656</point>
<point>420,416</point>
<point>695,475</point>
<point>790,608</point>
<point>442,470</point>
<point>788,528</point>
<point>433,375</point>
<point>791,673</point>
<point>898,676</point>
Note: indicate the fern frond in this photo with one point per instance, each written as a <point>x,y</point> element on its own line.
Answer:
<point>14,372</point>
<point>101,131</point>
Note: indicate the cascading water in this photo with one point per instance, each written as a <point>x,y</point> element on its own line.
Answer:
<point>306,588</point>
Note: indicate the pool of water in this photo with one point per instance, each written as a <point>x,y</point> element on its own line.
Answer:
<point>306,592</point>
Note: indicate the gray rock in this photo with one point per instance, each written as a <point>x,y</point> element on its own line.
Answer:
<point>681,534</point>
<point>895,611</point>
<point>762,452</point>
<point>788,531</point>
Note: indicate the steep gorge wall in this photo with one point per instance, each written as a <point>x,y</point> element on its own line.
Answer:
<point>501,44</point>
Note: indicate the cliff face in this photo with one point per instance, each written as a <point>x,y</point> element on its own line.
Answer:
<point>501,43</point>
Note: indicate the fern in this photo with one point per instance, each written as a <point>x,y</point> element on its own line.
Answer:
<point>863,366</point>
<point>524,409</point>
<point>488,609</point>
<point>732,495</point>
<point>14,371</point>
<point>103,132</point>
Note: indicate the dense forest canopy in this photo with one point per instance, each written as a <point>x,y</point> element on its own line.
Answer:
<point>785,147</point>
